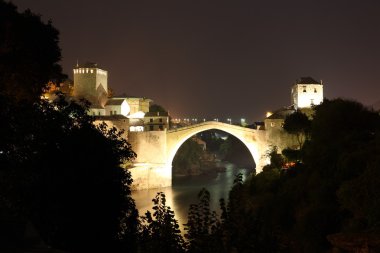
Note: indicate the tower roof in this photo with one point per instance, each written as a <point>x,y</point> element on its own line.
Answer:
<point>307,80</point>
<point>87,65</point>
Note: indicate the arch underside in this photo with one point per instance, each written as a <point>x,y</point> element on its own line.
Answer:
<point>245,135</point>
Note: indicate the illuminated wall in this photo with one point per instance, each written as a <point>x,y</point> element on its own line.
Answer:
<point>138,104</point>
<point>306,95</point>
<point>97,112</point>
<point>121,107</point>
<point>90,82</point>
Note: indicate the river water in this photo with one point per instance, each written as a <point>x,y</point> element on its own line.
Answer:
<point>186,188</point>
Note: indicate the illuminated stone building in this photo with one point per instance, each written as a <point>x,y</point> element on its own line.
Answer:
<point>306,92</point>
<point>139,104</point>
<point>91,83</point>
<point>128,113</point>
<point>117,106</point>
<point>156,121</point>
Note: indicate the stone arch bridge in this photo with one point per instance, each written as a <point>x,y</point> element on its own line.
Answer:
<point>156,150</point>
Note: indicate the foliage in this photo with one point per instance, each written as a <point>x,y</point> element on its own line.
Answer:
<point>160,231</point>
<point>188,156</point>
<point>62,173</point>
<point>157,108</point>
<point>29,53</point>
<point>276,160</point>
<point>291,155</point>
<point>298,124</point>
<point>203,227</point>
<point>58,171</point>
<point>333,190</point>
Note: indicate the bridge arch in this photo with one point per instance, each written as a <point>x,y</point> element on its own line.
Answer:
<point>249,137</point>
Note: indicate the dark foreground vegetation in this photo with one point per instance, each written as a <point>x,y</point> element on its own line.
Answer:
<point>62,181</point>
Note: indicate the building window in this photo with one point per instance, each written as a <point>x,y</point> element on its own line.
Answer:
<point>161,120</point>
<point>114,113</point>
<point>304,88</point>
<point>150,128</point>
<point>311,101</point>
<point>315,90</point>
<point>151,120</point>
<point>99,113</point>
<point>161,127</point>
<point>272,124</point>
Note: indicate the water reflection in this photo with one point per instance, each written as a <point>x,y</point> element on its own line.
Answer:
<point>185,190</point>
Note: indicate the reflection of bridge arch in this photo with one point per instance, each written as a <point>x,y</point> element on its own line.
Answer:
<point>251,138</point>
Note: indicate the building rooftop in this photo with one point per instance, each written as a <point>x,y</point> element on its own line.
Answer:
<point>87,65</point>
<point>115,101</point>
<point>110,117</point>
<point>307,80</point>
<point>282,113</point>
<point>132,97</point>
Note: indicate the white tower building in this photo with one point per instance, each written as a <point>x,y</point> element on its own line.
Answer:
<point>306,92</point>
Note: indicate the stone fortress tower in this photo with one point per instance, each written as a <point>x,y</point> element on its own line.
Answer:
<point>306,92</point>
<point>129,113</point>
<point>90,82</point>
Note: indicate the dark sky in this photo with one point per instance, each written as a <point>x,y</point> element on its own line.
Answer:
<point>222,58</point>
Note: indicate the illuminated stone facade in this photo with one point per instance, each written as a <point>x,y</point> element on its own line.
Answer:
<point>90,82</point>
<point>156,150</point>
<point>156,121</point>
<point>306,92</point>
<point>117,106</point>
<point>156,145</point>
<point>138,104</point>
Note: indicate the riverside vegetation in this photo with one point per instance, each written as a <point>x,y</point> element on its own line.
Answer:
<point>52,181</point>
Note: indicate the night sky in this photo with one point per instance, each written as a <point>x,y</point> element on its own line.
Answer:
<point>222,58</point>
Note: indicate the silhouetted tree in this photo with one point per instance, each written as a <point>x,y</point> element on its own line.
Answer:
<point>58,170</point>
<point>63,173</point>
<point>29,53</point>
<point>275,158</point>
<point>157,108</point>
<point>203,228</point>
<point>160,230</point>
<point>298,124</point>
